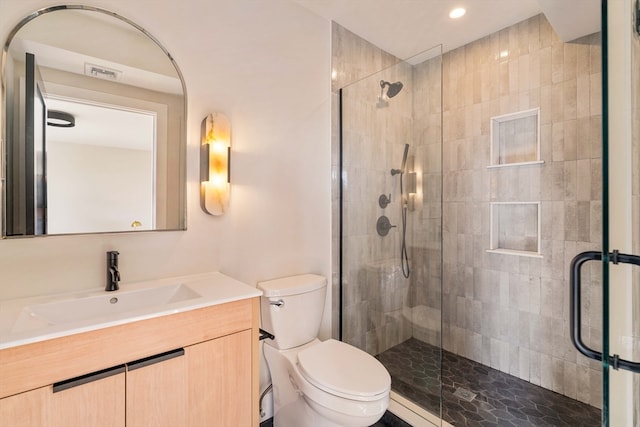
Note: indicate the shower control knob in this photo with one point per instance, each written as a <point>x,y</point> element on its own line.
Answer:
<point>383,200</point>
<point>383,226</point>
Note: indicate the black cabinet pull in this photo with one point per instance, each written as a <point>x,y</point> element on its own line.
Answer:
<point>98,375</point>
<point>151,360</point>
<point>87,378</point>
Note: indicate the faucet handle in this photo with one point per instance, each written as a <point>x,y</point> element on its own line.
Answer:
<point>384,200</point>
<point>113,275</point>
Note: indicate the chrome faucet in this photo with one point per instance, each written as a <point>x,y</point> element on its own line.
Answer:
<point>113,275</point>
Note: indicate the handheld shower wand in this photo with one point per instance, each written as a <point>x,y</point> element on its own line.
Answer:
<point>404,163</point>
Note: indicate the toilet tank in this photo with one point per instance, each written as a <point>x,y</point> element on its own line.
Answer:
<point>291,309</point>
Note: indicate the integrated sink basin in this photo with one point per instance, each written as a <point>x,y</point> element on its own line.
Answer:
<point>99,306</point>
<point>40,318</point>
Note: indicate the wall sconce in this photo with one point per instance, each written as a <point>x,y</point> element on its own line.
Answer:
<point>215,158</point>
<point>411,184</point>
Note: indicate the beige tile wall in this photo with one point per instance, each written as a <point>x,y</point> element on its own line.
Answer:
<point>424,304</point>
<point>353,58</point>
<point>381,308</point>
<point>511,312</point>
<point>374,289</point>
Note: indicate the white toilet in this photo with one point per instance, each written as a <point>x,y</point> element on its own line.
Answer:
<point>316,383</point>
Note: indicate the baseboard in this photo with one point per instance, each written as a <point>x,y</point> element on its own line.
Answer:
<point>414,414</point>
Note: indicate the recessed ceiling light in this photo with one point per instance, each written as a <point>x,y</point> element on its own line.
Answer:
<point>457,13</point>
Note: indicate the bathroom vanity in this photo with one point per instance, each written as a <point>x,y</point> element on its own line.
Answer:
<point>188,358</point>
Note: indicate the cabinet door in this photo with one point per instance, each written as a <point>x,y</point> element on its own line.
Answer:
<point>220,381</point>
<point>95,400</point>
<point>92,400</point>
<point>28,409</point>
<point>157,391</point>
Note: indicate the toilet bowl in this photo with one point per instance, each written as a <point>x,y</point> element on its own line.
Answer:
<point>316,383</point>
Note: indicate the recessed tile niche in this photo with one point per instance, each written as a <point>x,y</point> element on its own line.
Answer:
<point>515,228</point>
<point>515,139</point>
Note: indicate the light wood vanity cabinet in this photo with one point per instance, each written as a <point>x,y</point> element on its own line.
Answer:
<point>193,369</point>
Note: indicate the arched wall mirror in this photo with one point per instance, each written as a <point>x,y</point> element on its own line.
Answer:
<point>93,127</point>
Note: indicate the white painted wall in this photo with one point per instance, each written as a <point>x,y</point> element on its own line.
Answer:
<point>266,64</point>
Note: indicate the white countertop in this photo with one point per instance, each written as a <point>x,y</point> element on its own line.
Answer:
<point>29,320</point>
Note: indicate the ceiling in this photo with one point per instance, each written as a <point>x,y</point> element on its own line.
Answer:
<point>406,28</point>
<point>102,125</point>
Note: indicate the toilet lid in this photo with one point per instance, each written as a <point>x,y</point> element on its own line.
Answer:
<point>344,370</point>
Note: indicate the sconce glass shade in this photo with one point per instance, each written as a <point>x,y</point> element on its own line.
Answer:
<point>411,182</point>
<point>215,171</point>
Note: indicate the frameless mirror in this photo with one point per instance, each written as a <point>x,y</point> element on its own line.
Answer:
<point>94,127</point>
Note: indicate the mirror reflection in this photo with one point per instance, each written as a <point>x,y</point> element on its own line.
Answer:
<point>94,127</point>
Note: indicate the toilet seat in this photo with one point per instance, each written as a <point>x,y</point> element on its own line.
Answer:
<point>344,370</point>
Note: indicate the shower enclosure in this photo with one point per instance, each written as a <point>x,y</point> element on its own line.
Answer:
<point>458,254</point>
<point>391,255</point>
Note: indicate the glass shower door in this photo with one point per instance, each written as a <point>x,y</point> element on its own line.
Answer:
<point>621,308</point>
<point>391,220</point>
<point>620,256</point>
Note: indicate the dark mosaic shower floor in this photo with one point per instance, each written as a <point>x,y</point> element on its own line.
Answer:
<point>502,400</point>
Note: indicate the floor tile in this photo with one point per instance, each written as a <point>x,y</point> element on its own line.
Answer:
<point>500,399</point>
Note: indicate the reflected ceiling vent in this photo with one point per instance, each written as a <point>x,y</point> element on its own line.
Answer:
<point>101,72</point>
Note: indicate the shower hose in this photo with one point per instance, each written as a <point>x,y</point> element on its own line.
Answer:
<point>404,256</point>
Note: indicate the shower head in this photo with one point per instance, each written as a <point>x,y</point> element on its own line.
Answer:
<point>392,88</point>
